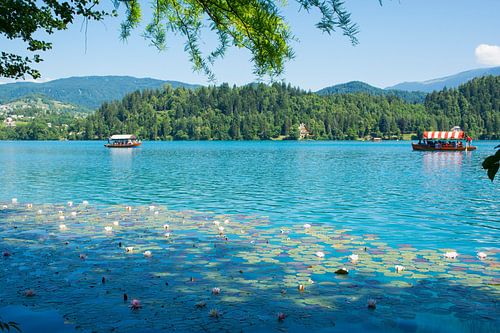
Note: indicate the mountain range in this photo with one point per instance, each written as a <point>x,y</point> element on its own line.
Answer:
<point>451,81</point>
<point>354,87</point>
<point>89,92</point>
<point>412,92</point>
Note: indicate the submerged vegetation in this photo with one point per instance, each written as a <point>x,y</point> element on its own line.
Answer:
<point>252,274</point>
<point>262,112</point>
<point>7,326</point>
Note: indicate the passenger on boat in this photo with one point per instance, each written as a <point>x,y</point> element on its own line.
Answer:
<point>469,141</point>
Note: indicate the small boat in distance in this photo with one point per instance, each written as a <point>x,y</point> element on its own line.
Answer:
<point>453,140</point>
<point>123,141</point>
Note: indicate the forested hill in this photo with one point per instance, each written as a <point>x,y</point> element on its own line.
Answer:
<point>354,87</point>
<point>263,112</point>
<point>475,106</point>
<point>260,112</point>
<point>86,91</point>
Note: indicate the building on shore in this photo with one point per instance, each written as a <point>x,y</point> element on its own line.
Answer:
<point>303,131</point>
<point>9,122</point>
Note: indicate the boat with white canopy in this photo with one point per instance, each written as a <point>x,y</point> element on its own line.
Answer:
<point>123,141</point>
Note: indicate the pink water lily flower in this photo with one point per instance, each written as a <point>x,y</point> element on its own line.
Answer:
<point>29,293</point>
<point>135,304</point>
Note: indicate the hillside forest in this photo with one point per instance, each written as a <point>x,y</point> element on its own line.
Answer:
<point>263,112</point>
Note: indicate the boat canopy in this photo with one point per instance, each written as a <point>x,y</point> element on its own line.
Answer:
<point>122,137</point>
<point>444,135</point>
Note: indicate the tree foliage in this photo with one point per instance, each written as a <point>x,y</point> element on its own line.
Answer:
<point>256,25</point>
<point>23,19</point>
<point>474,106</point>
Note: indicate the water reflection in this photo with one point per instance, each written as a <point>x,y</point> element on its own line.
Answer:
<point>442,161</point>
<point>122,157</point>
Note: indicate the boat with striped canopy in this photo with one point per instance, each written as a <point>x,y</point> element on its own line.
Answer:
<point>453,140</point>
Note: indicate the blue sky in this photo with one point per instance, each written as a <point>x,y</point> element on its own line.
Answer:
<point>405,40</point>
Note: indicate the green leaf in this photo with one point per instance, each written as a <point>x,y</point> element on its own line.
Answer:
<point>490,161</point>
<point>492,171</point>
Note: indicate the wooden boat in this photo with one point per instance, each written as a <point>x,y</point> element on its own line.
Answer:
<point>453,140</point>
<point>123,141</point>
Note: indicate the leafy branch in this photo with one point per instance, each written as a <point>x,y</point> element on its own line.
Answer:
<point>492,164</point>
<point>256,25</point>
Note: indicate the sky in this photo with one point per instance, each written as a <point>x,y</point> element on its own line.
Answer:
<point>402,40</point>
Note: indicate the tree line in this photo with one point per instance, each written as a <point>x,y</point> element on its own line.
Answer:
<point>263,112</point>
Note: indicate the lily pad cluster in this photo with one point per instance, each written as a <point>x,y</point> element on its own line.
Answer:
<point>152,268</point>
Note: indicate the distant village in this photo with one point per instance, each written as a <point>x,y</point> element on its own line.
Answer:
<point>9,117</point>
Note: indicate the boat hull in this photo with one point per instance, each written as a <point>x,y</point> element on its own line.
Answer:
<point>416,146</point>
<point>131,145</point>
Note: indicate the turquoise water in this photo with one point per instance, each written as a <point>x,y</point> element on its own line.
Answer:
<point>387,189</point>
<point>382,201</point>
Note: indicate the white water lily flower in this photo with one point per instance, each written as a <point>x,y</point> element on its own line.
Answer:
<point>482,255</point>
<point>108,229</point>
<point>152,207</point>
<point>70,203</point>
<point>399,268</point>
<point>61,217</point>
<point>451,255</point>
<point>116,223</point>
<point>73,214</point>
<point>217,223</point>
<point>354,257</point>
<point>63,227</point>
<point>148,254</point>
<point>14,201</point>
<point>320,254</point>
<point>221,229</point>
<point>307,226</point>
<point>85,202</point>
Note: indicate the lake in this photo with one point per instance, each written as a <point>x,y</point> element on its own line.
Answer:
<point>383,201</point>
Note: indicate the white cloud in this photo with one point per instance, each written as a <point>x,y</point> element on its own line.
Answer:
<point>488,54</point>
